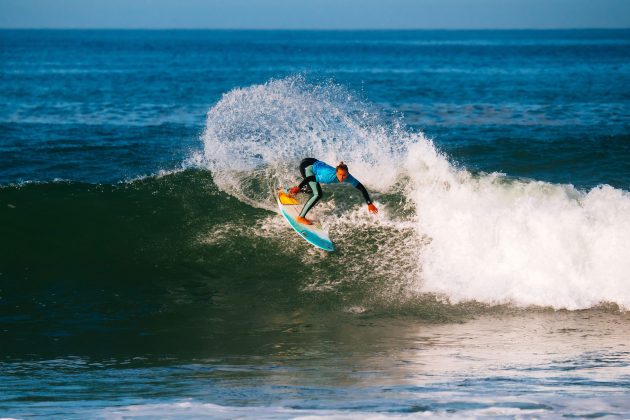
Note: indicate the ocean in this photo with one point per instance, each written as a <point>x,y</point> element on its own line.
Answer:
<point>145,271</point>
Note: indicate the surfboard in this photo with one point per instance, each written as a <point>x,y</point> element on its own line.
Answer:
<point>314,234</point>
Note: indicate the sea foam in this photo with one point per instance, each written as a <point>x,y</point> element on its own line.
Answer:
<point>528,242</point>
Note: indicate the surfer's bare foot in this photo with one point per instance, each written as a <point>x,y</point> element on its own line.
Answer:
<point>303,220</point>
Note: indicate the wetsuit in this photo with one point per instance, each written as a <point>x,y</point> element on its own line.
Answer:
<point>315,171</point>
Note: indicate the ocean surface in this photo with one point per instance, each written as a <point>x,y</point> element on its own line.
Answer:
<point>145,272</point>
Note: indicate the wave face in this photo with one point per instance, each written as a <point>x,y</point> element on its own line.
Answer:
<point>442,230</point>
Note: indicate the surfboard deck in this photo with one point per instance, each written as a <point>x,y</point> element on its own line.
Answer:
<point>314,234</point>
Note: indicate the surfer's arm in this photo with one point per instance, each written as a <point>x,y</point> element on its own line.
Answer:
<point>371,207</point>
<point>356,184</point>
<point>366,196</point>
<point>304,182</point>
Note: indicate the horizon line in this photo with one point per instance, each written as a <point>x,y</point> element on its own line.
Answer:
<point>306,29</point>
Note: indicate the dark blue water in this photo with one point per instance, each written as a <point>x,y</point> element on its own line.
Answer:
<point>138,276</point>
<point>110,105</point>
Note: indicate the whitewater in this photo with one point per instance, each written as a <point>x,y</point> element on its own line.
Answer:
<point>482,237</point>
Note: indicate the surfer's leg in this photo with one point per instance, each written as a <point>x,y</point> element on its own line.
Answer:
<point>317,195</point>
<point>306,162</point>
<point>308,174</point>
<point>306,170</point>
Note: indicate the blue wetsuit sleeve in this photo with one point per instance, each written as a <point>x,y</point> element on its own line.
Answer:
<point>352,181</point>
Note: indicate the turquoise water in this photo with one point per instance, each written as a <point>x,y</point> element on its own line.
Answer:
<point>144,270</point>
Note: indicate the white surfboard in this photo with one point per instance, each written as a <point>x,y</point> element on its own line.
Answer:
<point>290,208</point>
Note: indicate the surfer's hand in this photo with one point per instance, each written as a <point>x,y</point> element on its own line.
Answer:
<point>294,190</point>
<point>372,208</point>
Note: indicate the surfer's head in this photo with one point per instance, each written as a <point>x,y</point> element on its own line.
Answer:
<point>342,171</point>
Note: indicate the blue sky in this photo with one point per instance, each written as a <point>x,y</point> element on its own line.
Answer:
<point>315,14</point>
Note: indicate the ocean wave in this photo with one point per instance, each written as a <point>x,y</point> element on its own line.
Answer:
<point>446,241</point>
<point>444,230</point>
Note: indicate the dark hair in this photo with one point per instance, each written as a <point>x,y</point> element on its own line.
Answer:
<point>342,166</point>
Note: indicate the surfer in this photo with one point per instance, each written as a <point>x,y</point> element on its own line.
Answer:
<point>315,172</point>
